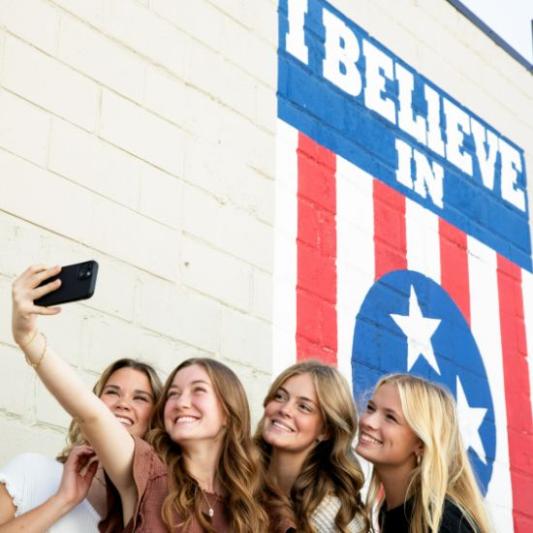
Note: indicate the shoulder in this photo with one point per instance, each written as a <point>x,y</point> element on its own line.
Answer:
<point>30,462</point>
<point>146,462</point>
<point>323,518</point>
<point>454,520</point>
<point>28,467</point>
<point>29,479</point>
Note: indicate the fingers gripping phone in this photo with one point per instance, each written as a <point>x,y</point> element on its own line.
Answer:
<point>78,282</point>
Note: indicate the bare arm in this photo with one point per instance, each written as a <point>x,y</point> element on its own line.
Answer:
<point>76,480</point>
<point>38,519</point>
<point>111,441</point>
<point>7,507</point>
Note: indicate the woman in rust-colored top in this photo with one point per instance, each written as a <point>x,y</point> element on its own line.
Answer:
<point>198,475</point>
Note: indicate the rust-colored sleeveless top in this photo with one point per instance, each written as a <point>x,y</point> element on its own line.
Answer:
<point>151,479</point>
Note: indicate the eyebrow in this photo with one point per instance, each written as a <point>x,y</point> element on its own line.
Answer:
<point>200,381</point>
<point>391,411</point>
<point>387,410</point>
<point>136,391</point>
<point>195,382</point>
<point>305,398</point>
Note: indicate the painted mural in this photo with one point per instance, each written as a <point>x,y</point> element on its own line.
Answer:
<point>403,239</point>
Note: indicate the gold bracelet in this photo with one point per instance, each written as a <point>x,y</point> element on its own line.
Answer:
<point>35,366</point>
<point>36,331</point>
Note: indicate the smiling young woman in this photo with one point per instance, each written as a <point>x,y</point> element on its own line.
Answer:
<point>422,479</point>
<point>32,493</point>
<point>313,478</point>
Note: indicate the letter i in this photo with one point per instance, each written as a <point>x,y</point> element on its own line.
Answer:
<point>295,39</point>
<point>403,171</point>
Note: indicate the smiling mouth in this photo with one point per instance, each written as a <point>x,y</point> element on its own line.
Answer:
<point>280,426</point>
<point>124,420</point>
<point>184,420</point>
<point>365,438</point>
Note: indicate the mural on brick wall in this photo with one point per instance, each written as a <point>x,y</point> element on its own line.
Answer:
<point>402,239</point>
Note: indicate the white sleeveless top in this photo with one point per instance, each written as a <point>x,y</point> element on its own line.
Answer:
<point>31,478</point>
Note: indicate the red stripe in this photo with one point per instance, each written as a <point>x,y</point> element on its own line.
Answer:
<point>517,392</point>
<point>454,266</point>
<point>390,240</point>
<point>316,291</point>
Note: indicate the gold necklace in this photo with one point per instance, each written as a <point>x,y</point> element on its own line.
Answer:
<point>210,511</point>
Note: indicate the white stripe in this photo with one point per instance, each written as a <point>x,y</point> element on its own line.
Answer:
<point>485,326</point>
<point>285,251</point>
<point>355,254</point>
<point>527,294</point>
<point>423,243</point>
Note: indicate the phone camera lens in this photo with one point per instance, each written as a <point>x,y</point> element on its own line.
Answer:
<point>84,273</point>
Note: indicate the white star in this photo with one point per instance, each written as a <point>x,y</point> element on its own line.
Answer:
<point>418,329</point>
<point>470,420</point>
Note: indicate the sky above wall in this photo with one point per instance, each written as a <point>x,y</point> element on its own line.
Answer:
<point>510,19</point>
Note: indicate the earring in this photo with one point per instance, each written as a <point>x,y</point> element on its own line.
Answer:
<point>418,460</point>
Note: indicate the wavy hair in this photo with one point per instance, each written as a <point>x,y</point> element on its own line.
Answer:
<point>331,468</point>
<point>444,471</point>
<point>74,435</point>
<point>239,471</point>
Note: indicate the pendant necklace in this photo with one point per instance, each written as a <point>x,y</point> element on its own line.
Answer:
<point>211,511</point>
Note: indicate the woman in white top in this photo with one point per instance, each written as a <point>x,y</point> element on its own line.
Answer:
<point>306,435</point>
<point>39,493</point>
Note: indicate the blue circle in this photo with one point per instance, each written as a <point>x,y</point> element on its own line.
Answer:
<point>380,347</point>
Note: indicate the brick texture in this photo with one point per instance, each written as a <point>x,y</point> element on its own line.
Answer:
<point>141,135</point>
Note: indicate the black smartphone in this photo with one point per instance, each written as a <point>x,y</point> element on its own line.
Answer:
<point>77,283</point>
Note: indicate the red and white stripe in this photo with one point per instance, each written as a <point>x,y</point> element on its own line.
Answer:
<point>337,231</point>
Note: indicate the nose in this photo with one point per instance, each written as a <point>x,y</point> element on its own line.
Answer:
<point>369,420</point>
<point>286,409</point>
<point>123,403</point>
<point>183,400</point>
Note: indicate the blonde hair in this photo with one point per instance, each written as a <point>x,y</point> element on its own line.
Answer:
<point>238,468</point>
<point>444,471</point>
<point>74,435</point>
<point>331,467</point>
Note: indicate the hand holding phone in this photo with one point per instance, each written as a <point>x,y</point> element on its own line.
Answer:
<point>78,282</point>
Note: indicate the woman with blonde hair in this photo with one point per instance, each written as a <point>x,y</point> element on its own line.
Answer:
<point>200,473</point>
<point>38,492</point>
<point>422,479</point>
<point>313,478</point>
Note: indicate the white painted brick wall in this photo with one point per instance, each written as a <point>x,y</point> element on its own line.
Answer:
<point>100,58</point>
<point>216,273</point>
<point>226,227</point>
<point>34,21</point>
<point>246,339</point>
<point>108,170</point>
<point>51,85</point>
<point>140,132</point>
<point>20,117</point>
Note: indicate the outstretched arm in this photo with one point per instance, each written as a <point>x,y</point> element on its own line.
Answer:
<point>111,441</point>
<point>78,474</point>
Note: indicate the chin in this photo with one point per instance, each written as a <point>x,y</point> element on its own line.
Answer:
<point>270,439</point>
<point>360,450</point>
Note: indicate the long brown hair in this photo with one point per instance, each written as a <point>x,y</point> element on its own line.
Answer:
<point>238,468</point>
<point>444,471</point>
<point>331,468</point>
<point>74,435</point>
